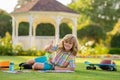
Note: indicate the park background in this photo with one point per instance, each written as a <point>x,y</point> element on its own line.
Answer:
<point>98,33</point>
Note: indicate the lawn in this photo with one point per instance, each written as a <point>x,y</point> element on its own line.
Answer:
<point>80,72</point>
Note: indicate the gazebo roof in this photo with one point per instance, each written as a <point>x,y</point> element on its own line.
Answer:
<point>44,5</point>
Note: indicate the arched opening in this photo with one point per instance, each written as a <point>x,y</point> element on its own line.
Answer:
<point>23,29</point>
<point>45,29</point>
<point>64,29</point>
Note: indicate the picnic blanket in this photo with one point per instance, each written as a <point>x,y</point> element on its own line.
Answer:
<point>55,71</point>
<point>47,71</point>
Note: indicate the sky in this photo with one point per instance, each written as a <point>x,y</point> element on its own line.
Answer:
<point>8,5</point>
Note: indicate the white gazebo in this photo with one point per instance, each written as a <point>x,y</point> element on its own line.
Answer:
<point>41,11</point>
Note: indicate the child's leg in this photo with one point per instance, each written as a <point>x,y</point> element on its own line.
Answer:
<point>31,61</point>
<point>40,59</point>
<point>38,63</point>
<point>38,66</point>
<point>27,65</point>
<point>42,66</point>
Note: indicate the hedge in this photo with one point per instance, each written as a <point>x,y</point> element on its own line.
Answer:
<point>114,50</point>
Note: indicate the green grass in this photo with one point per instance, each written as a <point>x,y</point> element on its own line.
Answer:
<point>80,72</point>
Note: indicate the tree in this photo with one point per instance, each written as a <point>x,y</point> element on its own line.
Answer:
<point>5,23</point>
<point>92,32</point>
<point>101,12</point>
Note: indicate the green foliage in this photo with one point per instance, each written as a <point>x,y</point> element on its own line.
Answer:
<point>82,7</point>
<point>5,23</point>
<point>23,29</point>
<point>6,45</point>
<point>115,41</point>
<point>31,52</point>
<point>93,32</point>
<point>105,11</point>
<point>6,48</point>
<point>114,51</point>
<point>92,48</point>
<point>45,29</point>
<point>18,49</point>
<point>101,49</point>
<point>64,29</point>
<point>40,52</point>
<point>102,12</point>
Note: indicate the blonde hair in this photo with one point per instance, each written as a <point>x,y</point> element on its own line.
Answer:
<point>72,39</point>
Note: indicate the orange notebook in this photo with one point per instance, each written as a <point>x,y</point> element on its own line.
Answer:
<point>4,65</point>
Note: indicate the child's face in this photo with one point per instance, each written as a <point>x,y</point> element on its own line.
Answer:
<point>68,45</point>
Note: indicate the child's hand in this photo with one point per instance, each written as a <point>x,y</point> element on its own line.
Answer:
<point>49,47</point>
<point>51,44</point>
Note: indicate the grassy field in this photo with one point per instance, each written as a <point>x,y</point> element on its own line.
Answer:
<point>80,72</point>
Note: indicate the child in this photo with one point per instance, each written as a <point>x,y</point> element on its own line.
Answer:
<point>62,57</point>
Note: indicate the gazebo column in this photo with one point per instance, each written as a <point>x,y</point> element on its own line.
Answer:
<point>74,30</point>
<point>13,30</point>
<point>30,19</point>
<point>17,26</point>
<point>34,31</point>
<point>34,34</point>
<point>57,35</point>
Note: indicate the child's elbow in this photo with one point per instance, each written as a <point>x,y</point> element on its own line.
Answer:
<point>72,69</point>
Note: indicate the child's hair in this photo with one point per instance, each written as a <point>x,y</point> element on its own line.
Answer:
<point>71,39</point>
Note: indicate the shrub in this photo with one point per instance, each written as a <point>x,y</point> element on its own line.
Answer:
<point>31,52</point>
<point>90,48</point>
<point>17,49</point>
<point>115,41</point>
<point>6,45</point>
<point>101,49</point>
<point>114,51</point>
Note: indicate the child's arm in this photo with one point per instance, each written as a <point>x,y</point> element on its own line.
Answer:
<point>70,66</point>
